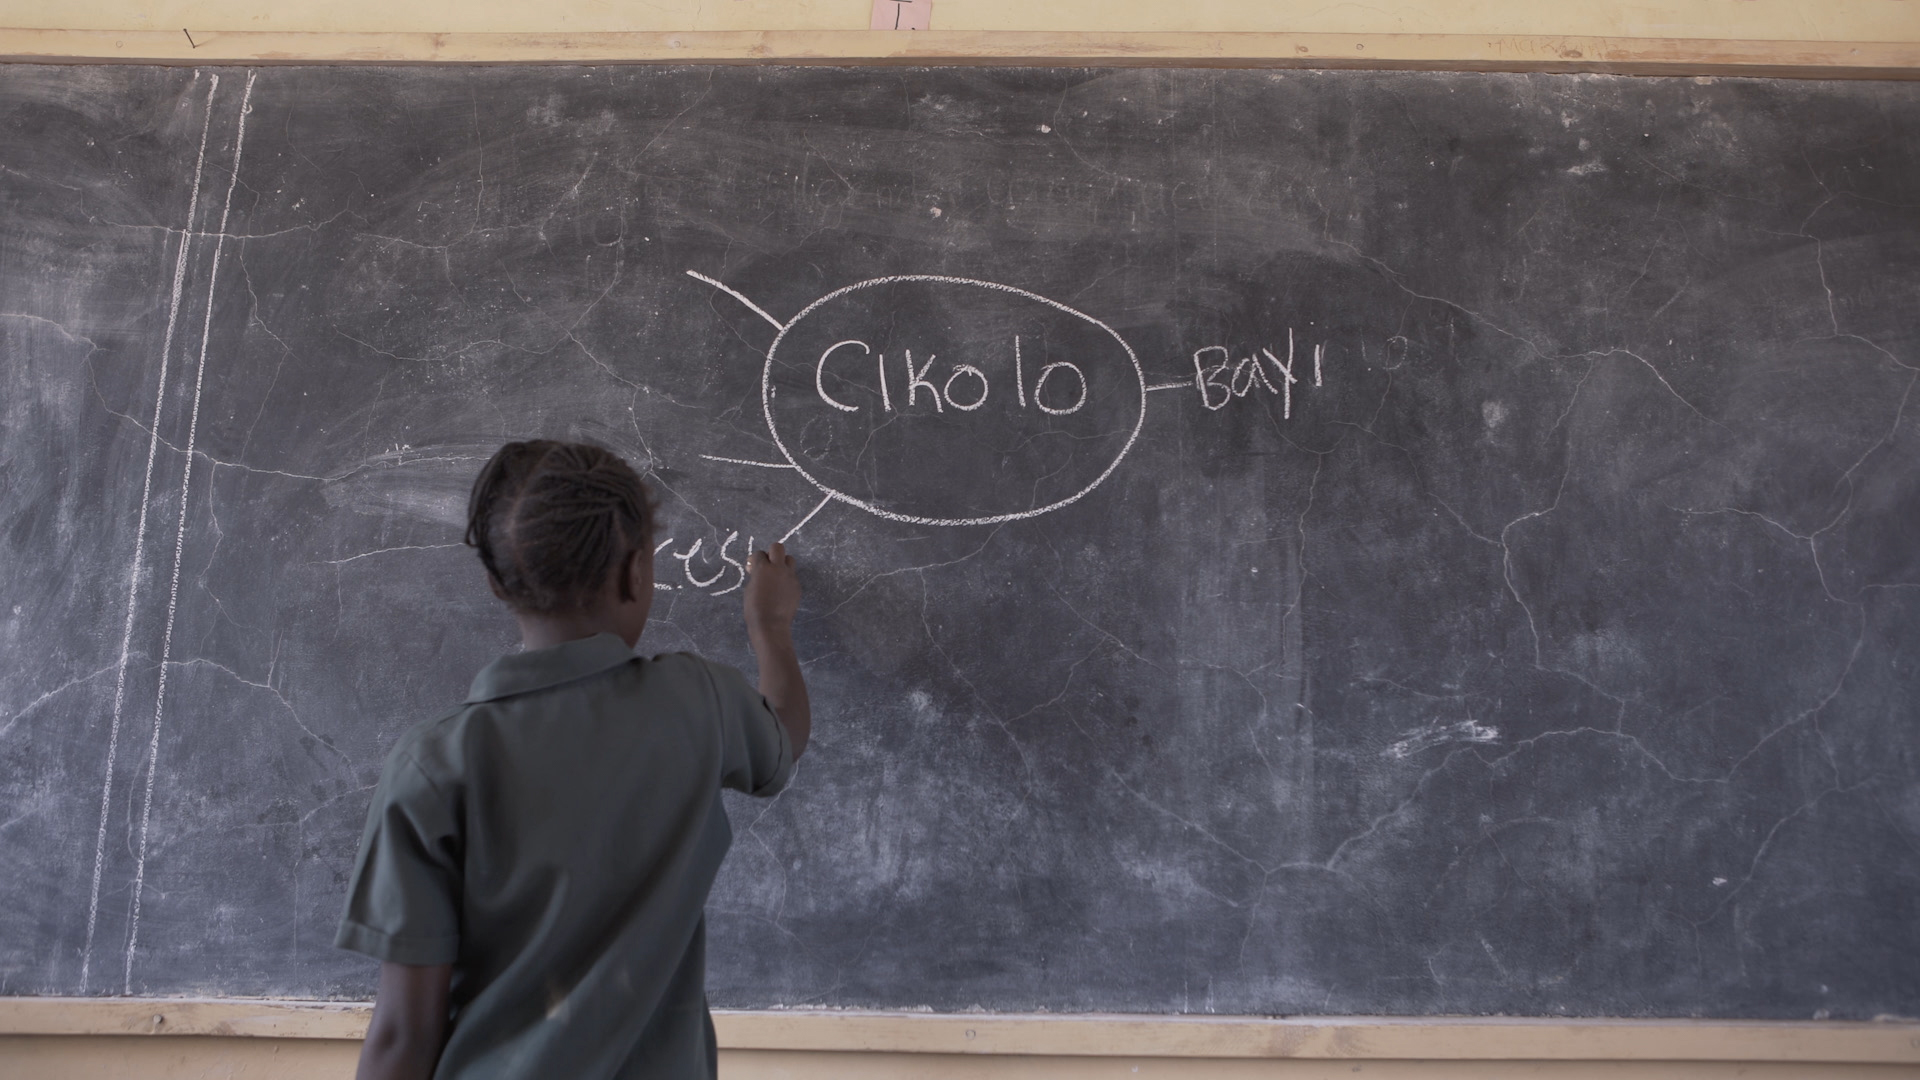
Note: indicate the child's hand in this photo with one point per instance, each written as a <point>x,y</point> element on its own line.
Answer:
<point>772,595</point>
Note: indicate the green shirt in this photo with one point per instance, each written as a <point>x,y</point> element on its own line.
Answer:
<point>554,839</point>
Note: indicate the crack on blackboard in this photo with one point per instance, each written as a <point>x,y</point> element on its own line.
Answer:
<point>387,550</point>
<point>213,234</point>
<point>49,695</point>
<point>870,579</point>
<point>292,712</point>
<point>63,329</point>
<point>1102,631</point>
<point>1766,843</point>
<point>1812,714</point>
<point>992,713</point>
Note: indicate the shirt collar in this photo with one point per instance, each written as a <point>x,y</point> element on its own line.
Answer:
<point>519,673</point>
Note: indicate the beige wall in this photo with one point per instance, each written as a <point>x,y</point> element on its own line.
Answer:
<point>1871,38</point>
<point>1777,20</point>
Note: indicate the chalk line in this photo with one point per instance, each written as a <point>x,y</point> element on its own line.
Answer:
<point>180,534</point>
<point>744,461</point>
<point>686,563</point>
<point>140,540</point>
<point>773,429</point>
<point>742,583</point>
<point>819,507</point>
<point>1181,385</point>
<point>757,309</point>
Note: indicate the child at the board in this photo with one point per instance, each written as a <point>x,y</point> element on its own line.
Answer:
<point>536,862</point>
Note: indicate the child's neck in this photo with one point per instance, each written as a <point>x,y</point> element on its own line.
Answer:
<point>546,631</point>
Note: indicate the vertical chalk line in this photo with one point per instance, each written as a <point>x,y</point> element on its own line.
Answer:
<point>180,534</point>
<point>804,520</point>
<point>1019,372</point>
<point>140,539</point>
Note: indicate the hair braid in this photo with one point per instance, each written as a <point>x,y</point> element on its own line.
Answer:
<point>563,515</point>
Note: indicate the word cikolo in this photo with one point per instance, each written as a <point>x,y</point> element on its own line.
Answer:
<point>1057,389</point>
<point>1220,383</point>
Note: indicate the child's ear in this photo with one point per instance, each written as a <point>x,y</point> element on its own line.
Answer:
<point>636,577</point>
<point>493,584</point>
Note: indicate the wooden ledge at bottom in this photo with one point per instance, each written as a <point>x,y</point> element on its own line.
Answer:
<point>1347,1038</point>
<point>246,1017</point>
<point>1444,52</point>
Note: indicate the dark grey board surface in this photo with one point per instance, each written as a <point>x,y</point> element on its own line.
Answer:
<point>1549,645</point>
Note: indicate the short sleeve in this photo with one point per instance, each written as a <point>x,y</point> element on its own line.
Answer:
<point>756,755</point>
<point>403,905</point>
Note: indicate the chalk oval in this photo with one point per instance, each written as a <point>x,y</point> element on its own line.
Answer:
<point>941,400</point>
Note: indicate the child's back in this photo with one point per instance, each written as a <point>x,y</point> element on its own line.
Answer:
<point>552,841</point>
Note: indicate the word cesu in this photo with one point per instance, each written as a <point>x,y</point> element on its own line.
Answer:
<point>730,573</point>
<point>1236,379</point>
<point>1058,389</point>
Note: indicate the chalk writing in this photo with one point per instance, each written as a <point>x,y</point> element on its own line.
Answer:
<point>852,376</point>
<point>1040,383</point>
<point>728,572</point>
<point>1219,383</point>
<point>976,387</point>
<point>1086,377</point>
<point>918,379</point>
<point>820,374</point>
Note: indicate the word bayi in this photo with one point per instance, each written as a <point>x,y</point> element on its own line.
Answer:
<point>1248,373</point>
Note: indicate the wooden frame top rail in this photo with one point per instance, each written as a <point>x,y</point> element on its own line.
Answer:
<point>1443,52</point>
<point>1357,1038</point>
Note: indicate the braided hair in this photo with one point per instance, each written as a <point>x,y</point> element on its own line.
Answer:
<point>551,520</point>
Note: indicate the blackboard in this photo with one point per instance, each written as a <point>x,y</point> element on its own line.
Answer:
<point>1274,542</point>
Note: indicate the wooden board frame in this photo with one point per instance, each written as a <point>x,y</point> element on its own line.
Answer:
<point>1322,1038</point>
<point>1896,1041</point>
<point>1427,52</point>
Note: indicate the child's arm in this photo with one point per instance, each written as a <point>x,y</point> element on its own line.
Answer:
<point>409,1023</point>
<point>772,598</point>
